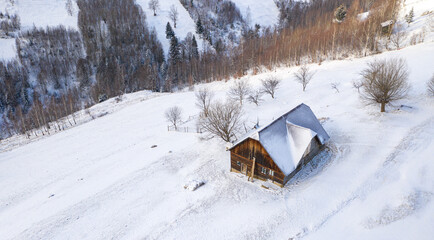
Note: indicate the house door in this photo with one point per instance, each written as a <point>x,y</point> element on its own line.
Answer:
<point>243,168</point>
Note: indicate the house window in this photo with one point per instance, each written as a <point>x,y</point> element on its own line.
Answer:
<point>264,171</point>
<point>271,173</point>
<point>238,163</point>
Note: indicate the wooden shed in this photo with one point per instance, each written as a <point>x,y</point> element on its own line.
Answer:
<point>387,27</point>
<point>277,151</point>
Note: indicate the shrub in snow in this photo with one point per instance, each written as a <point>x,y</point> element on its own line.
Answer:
<point>304,75</point>
<point>399,36</point>
<point>385,81</point>
<point>255,97</point>
<point>173,115</point>
<point>270,85</point>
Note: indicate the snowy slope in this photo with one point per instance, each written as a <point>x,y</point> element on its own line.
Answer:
<point>423,20</point>
<point>103,180</point>
<point>41,13</point>
<point>184,25</point>
<point>8,49</point>
<point>264,12</point>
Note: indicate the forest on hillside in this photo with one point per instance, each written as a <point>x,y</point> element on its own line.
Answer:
<point>60,71</point>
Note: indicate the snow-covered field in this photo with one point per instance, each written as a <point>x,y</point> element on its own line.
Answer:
<point>258,14</point>
<point>41,13</point>
<point>103,180</point>
<point>8,49</point>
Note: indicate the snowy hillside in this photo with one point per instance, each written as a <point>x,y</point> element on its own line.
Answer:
<point>258,14</point>
<point>184,25</point>
<point>8,49</point>
<point>120,174</point>
<point>41,13</point>
<point>103,180</point>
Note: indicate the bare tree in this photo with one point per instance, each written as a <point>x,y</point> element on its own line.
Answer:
<point>430,86</point>
<point>203,100</point>
<point>270,85</point>
<point>304,75</point>
<point>255,97</point>
<point>224,120</point>
<point>385,81</point>
<point>399,36</point>
<point>335,86</point>
<point>239,91</point>
<point>173,15</point>
<point>173,115</point>
<point>69,7</point>
<point>154,5</point>
<point>357,85</point>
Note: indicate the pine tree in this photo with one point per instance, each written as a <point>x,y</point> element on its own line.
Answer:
<point>195,52</point>
<point>174,51</point>
<point>169,31</point>
<point>409,17</point>
<point>341,13</point>
<point>199,27</point>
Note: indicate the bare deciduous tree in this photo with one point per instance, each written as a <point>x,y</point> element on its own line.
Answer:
<point>203,100</point>
<point>224,120</point>
<point>255,97</point>
<point>399,36</point>
<point>270,85</point>
<point>173,115</point>
<point>430,86</point>
<point>304,75</point>
<point>154,5</point>
<point>357,85</point>
<point>239,91</point>
<point>385,81</point>
<point>69,7</point>
<point>335,86</point>
<point>173,15</point>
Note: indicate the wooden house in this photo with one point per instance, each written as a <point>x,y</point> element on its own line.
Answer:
<point>387,27</point>
<point>277,151</point>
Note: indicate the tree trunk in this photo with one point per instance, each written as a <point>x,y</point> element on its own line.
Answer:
<point>383,107</point>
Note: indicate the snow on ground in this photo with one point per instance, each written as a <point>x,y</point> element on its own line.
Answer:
<point>7,49</point>
<point>41,13</point>
<point>423,21</point>
<point>184,25</point>
<point>103,179</point>
<point>264,12</point>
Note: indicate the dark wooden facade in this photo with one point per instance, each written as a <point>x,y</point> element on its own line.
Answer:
<point>250,152</point>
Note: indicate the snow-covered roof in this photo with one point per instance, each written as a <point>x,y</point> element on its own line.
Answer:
<point>287,138</point>
<point>387,23</point>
